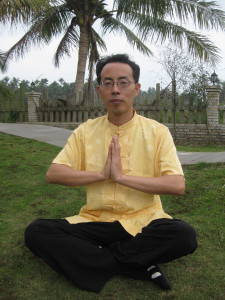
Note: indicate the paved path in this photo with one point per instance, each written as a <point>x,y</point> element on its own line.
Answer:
<point>58,137</point>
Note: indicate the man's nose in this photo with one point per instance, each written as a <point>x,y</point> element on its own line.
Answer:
<point>115,88</point>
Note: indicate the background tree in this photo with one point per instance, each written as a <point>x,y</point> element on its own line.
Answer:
<point>150,19</point>
<point>196,91</point>
<point>152,91</point>
<point>26,85</point>
<point>179,66</point>
<point>14,83</point>
<point>6,93</point>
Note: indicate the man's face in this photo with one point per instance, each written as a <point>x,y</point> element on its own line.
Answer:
<point>118,100</point>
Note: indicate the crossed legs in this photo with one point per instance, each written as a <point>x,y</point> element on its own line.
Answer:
<point>89,254</point>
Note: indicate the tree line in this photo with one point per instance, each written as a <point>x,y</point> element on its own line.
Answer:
<point>9,87</point>
<point>56,89</point>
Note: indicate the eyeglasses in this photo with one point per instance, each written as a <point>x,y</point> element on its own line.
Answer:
<point>121,83</point>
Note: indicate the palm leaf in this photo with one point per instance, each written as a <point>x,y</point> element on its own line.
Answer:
<point>110,25</point>
<point>154,8</point>
<point>19,49</point>
<point>45,27</point>
<point>99,41</point>
<point>206,15</point>
<point>17,11</point>
<point>52,22</point>
<point>161,30</point>
<point>70,39</point>
<point>95,42</point>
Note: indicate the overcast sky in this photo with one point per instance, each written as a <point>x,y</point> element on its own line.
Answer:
<point>37,64</point>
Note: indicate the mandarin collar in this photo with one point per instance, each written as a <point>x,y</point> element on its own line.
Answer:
<point>123,127</point>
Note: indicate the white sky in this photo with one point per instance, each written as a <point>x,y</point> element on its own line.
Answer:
<point>38,63</point>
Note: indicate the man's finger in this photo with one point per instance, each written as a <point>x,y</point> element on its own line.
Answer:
<point>115,140</point>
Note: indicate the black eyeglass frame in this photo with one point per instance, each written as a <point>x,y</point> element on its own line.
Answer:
<point>117,82</point>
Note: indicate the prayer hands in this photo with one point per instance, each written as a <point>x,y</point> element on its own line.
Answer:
<point>161,185</point>
<point>113,167</point>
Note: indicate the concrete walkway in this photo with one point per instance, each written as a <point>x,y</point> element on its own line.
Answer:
<point>58,137</point>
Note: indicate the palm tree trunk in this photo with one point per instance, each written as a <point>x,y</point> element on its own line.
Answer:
<point>81,66</point>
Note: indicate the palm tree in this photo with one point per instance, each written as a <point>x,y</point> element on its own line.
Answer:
<point>154,20</point>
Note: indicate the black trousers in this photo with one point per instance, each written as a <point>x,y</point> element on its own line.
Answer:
<point>89,254</point>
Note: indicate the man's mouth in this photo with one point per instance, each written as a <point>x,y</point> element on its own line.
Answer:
<point>116,101</point>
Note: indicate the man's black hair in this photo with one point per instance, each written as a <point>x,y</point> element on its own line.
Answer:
<point>121,58</point>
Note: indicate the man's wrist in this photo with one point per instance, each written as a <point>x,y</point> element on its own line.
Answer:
<point>120,179</point>
<point>102,176</point>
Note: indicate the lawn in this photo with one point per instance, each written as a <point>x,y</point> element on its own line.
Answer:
<point>25,196</point>
<point>200,148</point>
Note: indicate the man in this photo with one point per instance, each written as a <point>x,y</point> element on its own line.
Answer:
<point>126,161</point>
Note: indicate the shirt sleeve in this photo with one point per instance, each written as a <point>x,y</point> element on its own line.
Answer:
<point>72,155</point>
<point>167,158</point>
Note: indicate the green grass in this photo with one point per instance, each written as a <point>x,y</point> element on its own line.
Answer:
<point>200,148</point>
<point>25,196</point>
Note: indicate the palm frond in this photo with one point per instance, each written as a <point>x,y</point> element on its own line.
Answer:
<point>70,39</point>
<point>205,15</point>
<point>52,22</point>
<point>95,42</point>
<point>20,48</point>
<point>45,26</point>
<point>99,40</point>
<point>154,8</point>
<point>93,51</point>
<point>161,30</point>
<point>111,24</point>
<point>17,11</point>
<point>201,47</point>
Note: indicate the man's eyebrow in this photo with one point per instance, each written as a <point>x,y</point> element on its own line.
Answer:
<point>121,77</point>
<point>107,78</point>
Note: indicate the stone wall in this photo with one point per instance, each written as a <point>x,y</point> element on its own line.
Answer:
<point>33,103</point>
<point>197,134</point>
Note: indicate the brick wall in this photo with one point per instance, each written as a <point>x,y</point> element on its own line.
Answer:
<point>198,133</point>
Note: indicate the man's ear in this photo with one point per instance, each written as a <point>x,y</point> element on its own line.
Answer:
<point>137,88</point>
<point>98,90</point>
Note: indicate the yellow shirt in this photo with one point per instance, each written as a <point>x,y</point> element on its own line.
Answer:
<point>147,150</point>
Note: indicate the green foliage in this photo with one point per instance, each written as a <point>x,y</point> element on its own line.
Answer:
<point>9,88</point>
<point>151,92</point>
<point>25,196</point>
<point>60,88</point>
<point>13,116</point>
<point>195,92</point>
<point>197,88</point>
<point>12,91</point>
<point>5,92</point>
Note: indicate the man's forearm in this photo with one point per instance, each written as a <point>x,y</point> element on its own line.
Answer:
<point>163,185</point>
<point>61,174</point>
